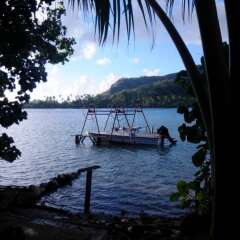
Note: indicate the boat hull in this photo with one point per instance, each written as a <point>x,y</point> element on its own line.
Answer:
<point>101,138</point>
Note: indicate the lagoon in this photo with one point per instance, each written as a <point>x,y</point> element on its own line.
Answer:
<point>131,178</point>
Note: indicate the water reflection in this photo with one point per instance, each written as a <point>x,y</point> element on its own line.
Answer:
<point>164,150</point>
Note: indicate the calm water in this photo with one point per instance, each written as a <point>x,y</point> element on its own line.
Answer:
<point>130,178</point>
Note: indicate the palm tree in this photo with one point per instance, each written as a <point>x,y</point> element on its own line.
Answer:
<point>214,94</point>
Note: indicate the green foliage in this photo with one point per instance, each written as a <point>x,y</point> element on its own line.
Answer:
<point>157,91</point>
<point>7,150</point>
<point>199,157</point>
<point>27,44</point>
<point>195,194</point>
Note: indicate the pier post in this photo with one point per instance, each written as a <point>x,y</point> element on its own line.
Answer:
<point>77,139</point>
<point>88,192</point>
<point>87,203</point>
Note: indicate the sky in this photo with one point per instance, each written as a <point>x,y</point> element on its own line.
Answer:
<point>93,68</point>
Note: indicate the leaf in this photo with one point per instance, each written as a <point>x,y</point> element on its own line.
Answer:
<point>194,134</point>
<point>190,117</point>
<point>182,187</point>
<point>186,203</point>
<point>175,196</point>
<point>200,196</point>
<point>182,132</point>
<point>182,109</point>
<point>199,157</point>
<point>194,185</point>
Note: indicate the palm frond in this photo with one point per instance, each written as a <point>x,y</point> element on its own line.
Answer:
<point>187,7</point>
<point>109,13</point>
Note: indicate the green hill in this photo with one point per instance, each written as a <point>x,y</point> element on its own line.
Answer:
<point>133,83</point>
<point>155,91</point>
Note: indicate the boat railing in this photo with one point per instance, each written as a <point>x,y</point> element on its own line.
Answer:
<point>128,115</point>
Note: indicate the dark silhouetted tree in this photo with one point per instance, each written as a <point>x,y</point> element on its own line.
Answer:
<point>31,35</point>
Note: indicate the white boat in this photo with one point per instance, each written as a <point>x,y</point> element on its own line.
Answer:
<point>125,138</point>
<point>117,133</point>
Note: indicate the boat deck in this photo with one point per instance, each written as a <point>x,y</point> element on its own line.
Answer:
<point>126,134</point>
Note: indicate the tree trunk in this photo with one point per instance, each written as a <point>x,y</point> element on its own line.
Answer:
<point>217,79</point>
<point>232,12</point>
<point>194,75</point>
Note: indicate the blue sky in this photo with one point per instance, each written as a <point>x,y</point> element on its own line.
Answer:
<point>93,68</point>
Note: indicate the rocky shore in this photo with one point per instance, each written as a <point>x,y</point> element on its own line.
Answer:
<point>22,219</point>
<point>27,196</point>
<point>46,223</point>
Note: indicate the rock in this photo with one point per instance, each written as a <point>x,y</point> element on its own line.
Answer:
<point>30,232</point>
<point>193,223</point>
<point>124,220</point>
<point>64,179</point>
<point>137,231</point>
<point>7,197</point>
<point>12,233</point>
<point>51,186</point>
<point>26,197</point>
<point>12,196</point>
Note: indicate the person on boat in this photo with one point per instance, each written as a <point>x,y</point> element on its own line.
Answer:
<point>116,129</point>
<point>163,132</point>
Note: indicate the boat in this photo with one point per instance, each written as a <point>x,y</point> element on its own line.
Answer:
<point>117,133</point>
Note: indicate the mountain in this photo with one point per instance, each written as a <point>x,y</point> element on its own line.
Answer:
<point>126,84</point>
<point>155,91</point>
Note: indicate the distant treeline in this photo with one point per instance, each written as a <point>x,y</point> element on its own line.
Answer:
<point>127,92</point>
<point>123,100</point>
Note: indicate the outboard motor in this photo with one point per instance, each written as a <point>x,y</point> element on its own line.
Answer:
<point>164,133</point>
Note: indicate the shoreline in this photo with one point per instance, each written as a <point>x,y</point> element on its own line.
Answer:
<point>84,108</point>
<point>41,222</point>
<point>48,223</point>
<point>22,218</point>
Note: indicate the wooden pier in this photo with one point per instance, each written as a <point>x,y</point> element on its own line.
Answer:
<point>80,138</point>
<point>88,187</point>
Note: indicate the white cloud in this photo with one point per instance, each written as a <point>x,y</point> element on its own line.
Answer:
<point>88,50</point>
<point>51,87</point>
<point>103,61</point>
<point>151,72</point>
<point>77,32</point>
<point>83,85</point>
<point>83,32</point>
<point>58,86</point>
<point>135,60</point>
<point>107,82</point>
<point>41,16</point>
